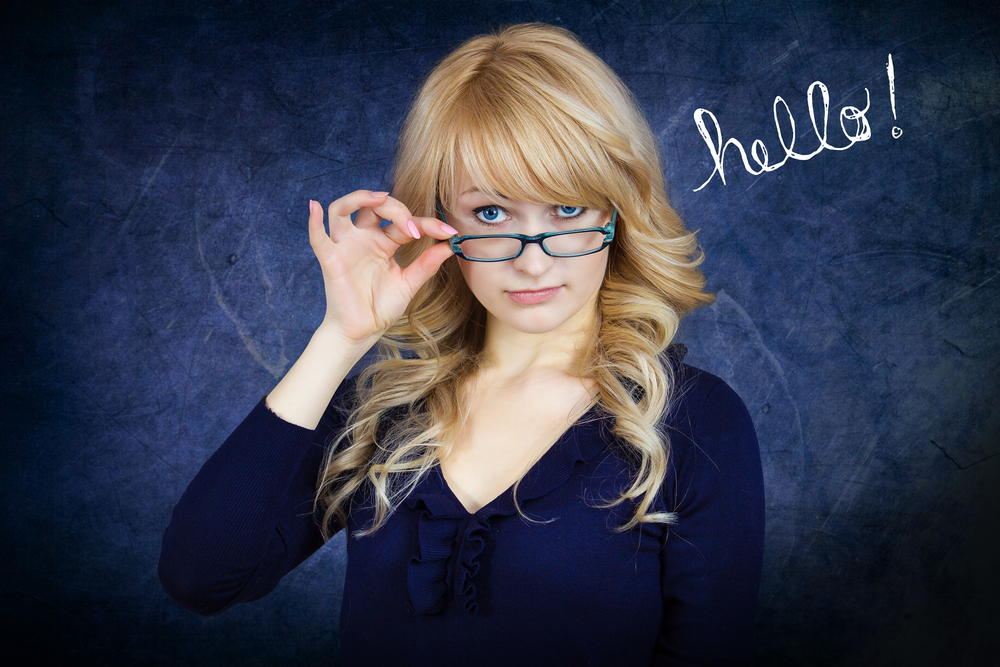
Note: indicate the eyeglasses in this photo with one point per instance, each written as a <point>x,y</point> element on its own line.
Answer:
<point>503,247</point>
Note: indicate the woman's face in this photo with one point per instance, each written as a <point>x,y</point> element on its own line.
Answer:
<point>533,293</point>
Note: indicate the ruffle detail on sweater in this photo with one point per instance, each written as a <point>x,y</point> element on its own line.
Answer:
<point>451,540</point>
<point>428,574</point>
<point>437,574</point>
<point>469,564</point>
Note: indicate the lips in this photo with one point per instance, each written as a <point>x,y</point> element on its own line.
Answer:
<point>531,297</point>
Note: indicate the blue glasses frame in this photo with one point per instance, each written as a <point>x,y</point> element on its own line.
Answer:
<point>456,241</point>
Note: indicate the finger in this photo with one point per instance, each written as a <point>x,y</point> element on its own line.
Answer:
<point>426,265</point>
<point>352,202</point>
<point>435,228</point>
<point>401,226</point>
<point>317,232</point>
<point>404,225</point>
<point>366,218</point>
<point>431,227</point>
<point>401,218</point>
<point>340,210</point>
<point>387,208</point>
<point>394,211</point>
<point>397,235</point>
<point>418,227</point>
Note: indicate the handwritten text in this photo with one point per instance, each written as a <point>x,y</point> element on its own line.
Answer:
<point>859,131</point>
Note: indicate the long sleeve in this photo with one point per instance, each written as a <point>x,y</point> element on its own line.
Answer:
<point>712,559</point>
<point>246,519</point>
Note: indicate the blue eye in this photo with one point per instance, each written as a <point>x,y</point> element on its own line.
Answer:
<point>489,214</point>
<point>569,211</point>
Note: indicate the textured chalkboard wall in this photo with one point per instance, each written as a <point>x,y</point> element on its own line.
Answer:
<point>157,281</point>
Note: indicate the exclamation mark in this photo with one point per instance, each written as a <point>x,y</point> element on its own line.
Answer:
<point>896,132</point>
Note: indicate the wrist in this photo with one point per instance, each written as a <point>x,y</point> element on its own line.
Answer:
<point>305,391</point>
<point>331,337</point>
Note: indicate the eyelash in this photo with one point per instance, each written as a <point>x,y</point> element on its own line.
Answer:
<point>487,223</point>
<point>477,211</point>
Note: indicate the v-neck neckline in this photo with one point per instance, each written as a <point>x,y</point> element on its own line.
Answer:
<point>535,472</point>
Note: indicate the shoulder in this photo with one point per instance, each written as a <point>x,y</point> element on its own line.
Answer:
<point>713,443</point>
<point>694,388</point>
<point>704,404</point>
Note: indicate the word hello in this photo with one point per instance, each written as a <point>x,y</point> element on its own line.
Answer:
<point>859,130</point>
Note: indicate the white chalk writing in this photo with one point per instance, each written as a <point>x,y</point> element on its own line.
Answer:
<point>896,132</point>
<point>860,131</point>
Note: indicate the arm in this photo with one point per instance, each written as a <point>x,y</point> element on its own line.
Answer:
<point>246,519</point>
<point>366,291</point>
<point>711,562</point>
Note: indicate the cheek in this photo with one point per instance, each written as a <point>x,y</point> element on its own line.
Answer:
<point>476,275</point>
<point>468,273</point>
<point>598,268</point>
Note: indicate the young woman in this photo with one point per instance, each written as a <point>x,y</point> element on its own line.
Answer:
<point>529,474</point>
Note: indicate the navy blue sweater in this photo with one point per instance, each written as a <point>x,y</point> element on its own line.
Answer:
<point>436,585</point>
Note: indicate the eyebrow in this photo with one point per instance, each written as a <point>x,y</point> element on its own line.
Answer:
<point>475,189</point>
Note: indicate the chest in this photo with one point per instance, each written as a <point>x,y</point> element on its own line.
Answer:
<point>561,582</point>
<point>502,439</point>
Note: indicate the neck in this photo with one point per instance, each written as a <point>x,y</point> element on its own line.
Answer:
<point>510,353</point>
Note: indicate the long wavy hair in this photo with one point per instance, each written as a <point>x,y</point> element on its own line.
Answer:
<point>531,113</point>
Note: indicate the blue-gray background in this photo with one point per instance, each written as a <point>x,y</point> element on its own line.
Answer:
<point>157,281</point>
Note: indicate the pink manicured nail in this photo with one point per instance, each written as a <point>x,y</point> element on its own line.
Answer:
<point>448,228</point>
<point>311,204</point>
<point>379,194</point>
<point>414,232</point>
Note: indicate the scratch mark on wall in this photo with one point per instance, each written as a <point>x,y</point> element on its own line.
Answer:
<point>36,200</point>
<point>268,294</point>
<point>847,487</point>
<point>754,183</point>
<point>362,163</point>
<point>748,325</point>
<point>959,465</point>
<point>121,512</point>
<point>988,114</point>
<point>784,56</point>
<point>32,595</point>
<point>149,181</point>
<point>123,427</point>
<point>276,369</point>
<point>916,253</point>
<point>153,332</point>
<point>812,279</point>
<point>957,348</point>
<point>967,290</point>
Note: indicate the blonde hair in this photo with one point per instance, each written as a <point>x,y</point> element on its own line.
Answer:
<point>531,113</point>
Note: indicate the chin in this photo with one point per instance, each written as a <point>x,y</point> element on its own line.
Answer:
<point>535,327</point>
<point>536,320</point>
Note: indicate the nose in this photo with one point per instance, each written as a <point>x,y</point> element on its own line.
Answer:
<point>533,261</point>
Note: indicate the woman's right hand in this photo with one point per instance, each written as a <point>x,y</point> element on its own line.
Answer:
<point>366,290</point>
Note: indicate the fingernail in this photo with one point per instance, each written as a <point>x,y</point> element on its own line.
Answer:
<point>448,228</point>
<point>379,194</point>
<point>414,232</point>
<point>311,204</point>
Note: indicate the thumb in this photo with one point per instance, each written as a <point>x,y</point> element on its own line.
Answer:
<point>426,265</point>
